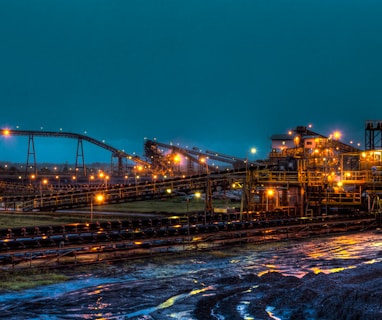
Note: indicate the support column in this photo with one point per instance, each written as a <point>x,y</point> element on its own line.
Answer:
<point>31,152</point>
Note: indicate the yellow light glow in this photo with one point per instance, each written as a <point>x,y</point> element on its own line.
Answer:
<point>6,132</point>
<point>99,197</point>
<point>177,158</point>
<point>270,192</point>
<point>337,135</point>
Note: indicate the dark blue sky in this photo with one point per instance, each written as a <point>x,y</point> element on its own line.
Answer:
<point>218,74</point>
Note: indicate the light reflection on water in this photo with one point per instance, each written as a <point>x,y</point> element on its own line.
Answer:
<point>166,304</point>
<point>270,313</point>
<point>320,255</point>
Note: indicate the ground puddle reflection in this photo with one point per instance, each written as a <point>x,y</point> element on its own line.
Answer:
<point>229,284</point>
<point>168,303</point>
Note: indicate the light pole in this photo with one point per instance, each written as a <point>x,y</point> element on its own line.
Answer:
<point>244,195</point>
<point>251,151</point>
<point>99,198</point>
<point>45,181</point>
<point>154,180</point>
<point>106,180</point>
<point>32,178</point>
<point>270,193</point>
<point>59,181</point>
<point>204,161</point>
<point>177,163</point>
<point>136,184</point>
<point>197,196</point>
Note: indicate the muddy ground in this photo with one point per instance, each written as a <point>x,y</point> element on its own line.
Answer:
<point>350,294</point>
<point>336,278</point>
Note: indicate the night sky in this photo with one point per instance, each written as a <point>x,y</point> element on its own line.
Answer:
<point>222,75</point>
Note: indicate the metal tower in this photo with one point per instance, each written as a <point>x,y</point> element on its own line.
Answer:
<point>373,135</point>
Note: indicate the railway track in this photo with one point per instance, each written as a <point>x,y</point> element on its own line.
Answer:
<point>84,243</point>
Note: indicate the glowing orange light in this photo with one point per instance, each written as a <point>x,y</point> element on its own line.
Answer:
<point>337,135</point>
<point>203,160</point>
<point>99,197</point>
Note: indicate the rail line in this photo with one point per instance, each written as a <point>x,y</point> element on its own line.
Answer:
<point>57,245</point>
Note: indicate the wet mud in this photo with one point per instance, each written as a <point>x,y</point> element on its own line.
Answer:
<point>329,278</point>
